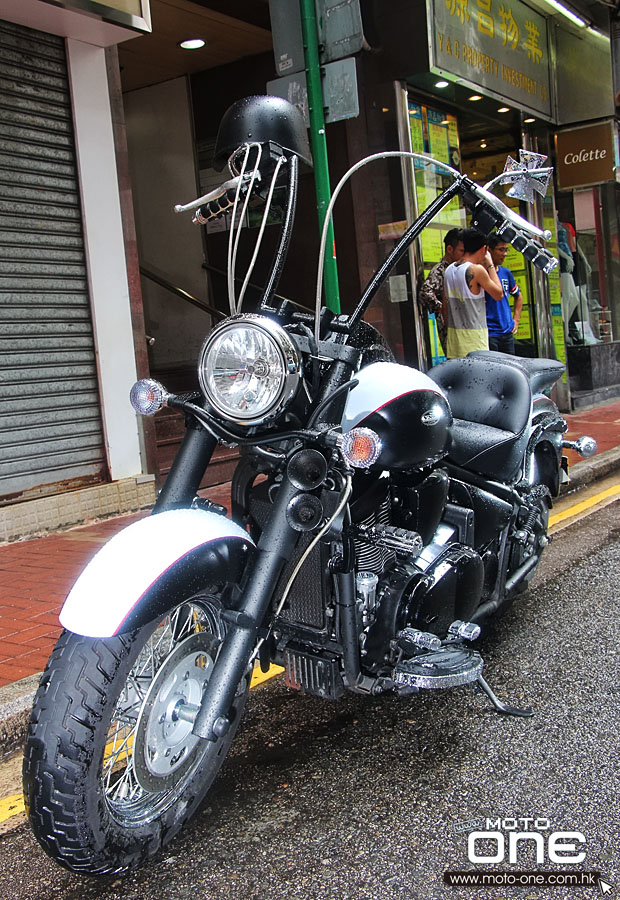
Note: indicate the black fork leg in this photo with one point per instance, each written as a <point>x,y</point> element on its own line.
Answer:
<point>190,463</point>
<point>276,544</point>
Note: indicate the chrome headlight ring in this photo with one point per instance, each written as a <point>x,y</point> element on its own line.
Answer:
<point>249,369</point>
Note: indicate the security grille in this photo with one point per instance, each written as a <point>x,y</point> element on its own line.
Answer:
<point>50,423</point>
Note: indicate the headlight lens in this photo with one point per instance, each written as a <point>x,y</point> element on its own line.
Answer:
<point>249,369</point>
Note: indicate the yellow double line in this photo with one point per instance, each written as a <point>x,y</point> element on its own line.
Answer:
<point>577,509</point>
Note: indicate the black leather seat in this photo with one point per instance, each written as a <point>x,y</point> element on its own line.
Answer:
<point>542,373</point>
<point>491,405</point>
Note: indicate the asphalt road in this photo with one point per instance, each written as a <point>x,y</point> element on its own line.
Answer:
<point>366,799</point>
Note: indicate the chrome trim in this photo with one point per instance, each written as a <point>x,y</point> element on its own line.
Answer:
<point>410,679</point>
<point>285,347</point>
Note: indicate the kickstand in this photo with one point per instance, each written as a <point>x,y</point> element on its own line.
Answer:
<point>501,707</point>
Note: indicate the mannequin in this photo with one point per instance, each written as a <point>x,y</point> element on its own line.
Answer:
<point>570,297</point>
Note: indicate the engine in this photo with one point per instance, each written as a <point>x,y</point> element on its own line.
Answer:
<point>415,576</point>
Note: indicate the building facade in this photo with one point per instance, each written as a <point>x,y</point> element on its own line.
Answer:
<point>106,125</point>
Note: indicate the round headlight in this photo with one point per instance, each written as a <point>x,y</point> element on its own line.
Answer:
<point>249,369</point>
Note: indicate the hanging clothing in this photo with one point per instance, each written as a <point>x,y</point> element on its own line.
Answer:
<point>466,313</point>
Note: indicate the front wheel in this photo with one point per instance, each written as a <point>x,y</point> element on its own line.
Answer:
<point>112,770</point>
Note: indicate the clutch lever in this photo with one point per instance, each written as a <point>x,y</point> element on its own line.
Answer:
<point>216,194</point>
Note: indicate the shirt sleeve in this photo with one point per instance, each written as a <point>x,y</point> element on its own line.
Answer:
<point>513,287</point>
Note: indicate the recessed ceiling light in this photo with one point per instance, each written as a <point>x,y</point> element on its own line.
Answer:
<point>483,144</point>
<point>503,109</point>
<point>442,84</point>
<point>192,44</point>
<point>529,121</point>
<point>445,122</point>
<point>475,97</point>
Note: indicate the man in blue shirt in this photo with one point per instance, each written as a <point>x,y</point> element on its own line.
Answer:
<point>501,322</point>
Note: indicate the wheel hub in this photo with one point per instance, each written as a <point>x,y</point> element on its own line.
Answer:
<point>164,744</point>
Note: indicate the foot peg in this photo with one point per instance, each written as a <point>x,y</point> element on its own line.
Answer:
<point>502,707</point>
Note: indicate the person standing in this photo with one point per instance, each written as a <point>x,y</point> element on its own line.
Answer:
<point>501,321</point>
<point>430,296</point>
<point>465,283</point>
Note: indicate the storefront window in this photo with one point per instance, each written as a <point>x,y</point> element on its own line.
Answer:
<point>590,279</point>
<point>435,132</point>
<point>590,275</point>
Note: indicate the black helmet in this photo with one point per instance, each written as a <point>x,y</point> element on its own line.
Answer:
<point>261,119</point>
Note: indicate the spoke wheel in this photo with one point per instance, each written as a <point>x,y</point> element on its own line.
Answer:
<point>117,714</point>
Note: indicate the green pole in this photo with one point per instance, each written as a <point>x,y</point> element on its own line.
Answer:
<point>319,147</point>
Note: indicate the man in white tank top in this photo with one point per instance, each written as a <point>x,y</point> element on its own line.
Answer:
<point>465,282</point>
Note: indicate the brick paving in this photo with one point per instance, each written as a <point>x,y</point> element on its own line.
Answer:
<point>36,574</point>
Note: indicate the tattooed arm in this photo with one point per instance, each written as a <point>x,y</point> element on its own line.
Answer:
<point>484,276</point>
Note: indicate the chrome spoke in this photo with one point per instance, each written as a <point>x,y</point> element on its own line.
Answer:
<point>122,778</point>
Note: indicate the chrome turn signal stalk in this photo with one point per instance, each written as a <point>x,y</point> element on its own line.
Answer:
<point>585,446</point>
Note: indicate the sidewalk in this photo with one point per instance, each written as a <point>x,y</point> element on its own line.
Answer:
<point>36,574</point>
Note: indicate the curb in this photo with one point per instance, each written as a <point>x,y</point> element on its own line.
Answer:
<point>15,704</point>
<point>16,699</point>
<point>590,470</point>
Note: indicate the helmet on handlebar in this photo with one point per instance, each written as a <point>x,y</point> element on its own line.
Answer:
<point>261,119</point>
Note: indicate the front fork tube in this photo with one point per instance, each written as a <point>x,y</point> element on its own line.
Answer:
<point>275,547</point>
<point>190,463</point>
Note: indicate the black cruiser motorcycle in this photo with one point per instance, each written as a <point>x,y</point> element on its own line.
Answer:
<point>380,517</point>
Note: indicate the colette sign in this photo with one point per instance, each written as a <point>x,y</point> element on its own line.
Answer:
<point>585,156</point>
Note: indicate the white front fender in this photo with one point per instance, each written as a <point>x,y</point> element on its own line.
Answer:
<point>145,568</point>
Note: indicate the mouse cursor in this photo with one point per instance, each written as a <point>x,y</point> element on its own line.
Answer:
<point>604,886</point>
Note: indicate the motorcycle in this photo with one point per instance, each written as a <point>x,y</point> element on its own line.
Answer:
<point>381,517</point>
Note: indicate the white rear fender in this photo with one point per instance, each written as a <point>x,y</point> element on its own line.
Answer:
<point>151,566</point>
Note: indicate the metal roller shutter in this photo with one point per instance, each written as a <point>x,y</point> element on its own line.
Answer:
<point>50,423</point>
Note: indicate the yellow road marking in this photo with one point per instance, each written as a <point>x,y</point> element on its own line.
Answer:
<point>578,508</point>
<point>258,677</point>
<point>11,806</point>
<point>14,805</point>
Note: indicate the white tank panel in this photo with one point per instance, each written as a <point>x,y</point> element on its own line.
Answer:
<point>379,384</point>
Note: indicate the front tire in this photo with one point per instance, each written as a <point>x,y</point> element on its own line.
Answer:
<point>111,770</point>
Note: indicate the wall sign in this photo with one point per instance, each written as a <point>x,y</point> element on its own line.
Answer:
<point>585,156</point>
<point>500,45</point>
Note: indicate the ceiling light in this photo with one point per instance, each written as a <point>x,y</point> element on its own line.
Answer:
<point>475,97</point>
<point>192,44</point>
<point>504,109</point>
<point>567,12</point>
<point>445,122</point>
<point>442,84</point>
<point>529,121</point>
<point>483,144</point>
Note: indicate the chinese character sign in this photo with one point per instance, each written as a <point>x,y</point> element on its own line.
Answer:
<point>498,44</point>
